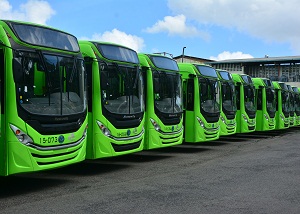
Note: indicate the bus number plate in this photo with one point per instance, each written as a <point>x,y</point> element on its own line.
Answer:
<point>48,140</point>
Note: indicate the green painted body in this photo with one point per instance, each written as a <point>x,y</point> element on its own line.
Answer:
<point>245,117</point>
<point>199,126</point>
<point>228,108</point>
<point>31,139</point>
<point>111,134</point>
<point>282,107</point>
<point>161,129</point>
<point>265,104</point>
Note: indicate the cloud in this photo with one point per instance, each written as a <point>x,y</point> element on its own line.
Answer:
<point>32,11</point>
<point>115,36</point>
<point>234,55</point>
<point>176,25</point>
<point>270,20</point>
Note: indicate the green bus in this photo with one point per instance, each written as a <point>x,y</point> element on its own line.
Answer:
<point>201,93</point>
<point>163,103</point>
<point>246,109</point>
<point>115,99</point>
<point>228,106</point>
<point>297,105</point>
<point>265,104</point>
<point>282,105</point>
<point>43,98</point>
<point>291,105</point>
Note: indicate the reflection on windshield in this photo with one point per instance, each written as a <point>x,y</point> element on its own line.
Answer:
<point>228,96</point>
<point>210,95</point>
<point>122,89</point>
<point>285,101</point>
<point>271,100</point>
<point>118,53</point>
<point>249,98</point>
<point>297,103</point>
<point>50,84</point>
<point>167,92</point>
<point>43,36</point>
<point>163,62</point>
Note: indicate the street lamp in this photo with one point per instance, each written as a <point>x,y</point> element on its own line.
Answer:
<point>182,53</point>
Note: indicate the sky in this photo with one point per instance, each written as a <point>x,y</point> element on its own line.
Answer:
<point>210,29</point>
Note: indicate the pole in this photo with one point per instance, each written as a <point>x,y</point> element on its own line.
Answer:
<point>182,53</point>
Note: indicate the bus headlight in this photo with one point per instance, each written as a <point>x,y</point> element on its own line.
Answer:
<point>22,137</point>
<point>245,118</point>
<point>200,122</point>
<point>223,120</point>
<point>266,116</point>
<point>104,129</point>
<point>155,124</point>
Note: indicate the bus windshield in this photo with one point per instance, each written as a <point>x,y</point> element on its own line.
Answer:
<point>49,84</point>
<point>228,97</point>
<point>297,104</point>
<point>225,75</point>
<point>249,93</point>
<point>40,36</point>
<point>271,101</point>
<point>121,88</point>
<point>167,92</point>
<point>285,102</point>
<point>210,95</point>
<point>117,53</point>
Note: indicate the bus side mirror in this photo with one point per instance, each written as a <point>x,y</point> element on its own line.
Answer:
<point>17,70</point>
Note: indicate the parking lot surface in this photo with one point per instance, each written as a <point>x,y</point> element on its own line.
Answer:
<point>255,173</point>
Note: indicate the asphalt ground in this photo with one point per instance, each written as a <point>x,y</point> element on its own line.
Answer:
<point>253,173</point>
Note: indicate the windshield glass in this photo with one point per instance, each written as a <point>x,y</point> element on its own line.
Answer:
<point>292,103</point>
<point>121,88</point>
<point>207,71</point>
<point>209,95</point>
<point>167,92</point>
<point>249,93</point>
<point>271,100</point>
<point>225,75</point>
<point>117,53</point>
<point>42,36</point>
<point>164,63</point>
<point>297,102</point>
<point>228,96</point>
<point>247,79</point>
<point>50,84</point>
<point>285,101</point>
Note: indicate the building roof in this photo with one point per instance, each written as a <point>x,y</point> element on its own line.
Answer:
<point>193,58</point>
<point>264,60</point>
